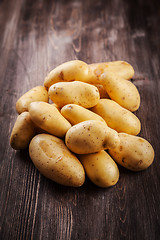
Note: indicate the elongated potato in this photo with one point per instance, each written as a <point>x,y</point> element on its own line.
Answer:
<point>100,168</point>
<point>74,70</point>
<point>22,132</point>
<point>121,91</point>
<point>53,159</point>
<point>117,117</point>
<point>83,94</point>
<point>47,117</point>
<point>119,68</point>
<point>91,136</point>
<point>76,114</point>
<point>134,153</point>
<point>38,93</point>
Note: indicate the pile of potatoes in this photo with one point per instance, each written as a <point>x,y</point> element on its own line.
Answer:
<point>82,122</point>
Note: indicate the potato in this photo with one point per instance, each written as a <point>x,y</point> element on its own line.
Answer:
<point>38,93</point>
<point>53,159</point>
<point>102,91</point>
<point>91,136</point>
<point>77,70</point>
<point>76,114</point>
<point>83,94</point>
<point>117,117</point>
<point>74,70</point>
<point>48,117</point>
<point>121,91</point>
<point>22,132</point>
<point>120,68</point>
<point>100,168</point>
<point>134,153</point>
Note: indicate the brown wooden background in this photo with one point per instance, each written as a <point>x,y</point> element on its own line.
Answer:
<point>36,36</point>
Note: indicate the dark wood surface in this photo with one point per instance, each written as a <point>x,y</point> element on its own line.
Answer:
<point>36,36</point>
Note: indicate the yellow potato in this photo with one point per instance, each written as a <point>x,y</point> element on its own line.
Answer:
<point>76,114</point>
<point>53,159</point>
<point>83,94</point>
<point>48,118</point>
<point>134,153</point>
<point>38,93</point>
<point>74,70</point>
<point>22,132</point>
<point>121,91</point>
<point>77,70</point>
<point>117,117</point>
<point>100,168</point>
<point>120,68</point>
<point>102,91</point>
<point>91,136</point>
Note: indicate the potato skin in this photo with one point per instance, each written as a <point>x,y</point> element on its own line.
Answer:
<point>134,153</point>
<point>117,117</point>
<point>121,91</point>
<point>48,118</point>
<point>100,168</point>
<point>53,159</point>
<point>83,94</point>
<point>76,114</point>
<point>119,68</point>
<point>38,93</point>
<point>74,70</point>
<point>22,132</point>
<point>91,136</point>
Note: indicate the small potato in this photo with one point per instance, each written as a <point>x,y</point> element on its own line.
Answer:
<point>74,70</point>
<point>117,117</point>
<point>91,136</point>
<point>119,68</point>
<point>48,118</point>
<point>22,132</point>
<point>83,94</point>
<point>134,153</point>
<point>38,93</point>
<point>121,91</point>
<point>76,114</point>
<point>53,159</point>
<point>100,168</point>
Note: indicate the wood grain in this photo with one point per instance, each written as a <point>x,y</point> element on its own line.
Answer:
<point>35,37</point>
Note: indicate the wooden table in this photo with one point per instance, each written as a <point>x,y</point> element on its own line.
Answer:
<point>36,36</point>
